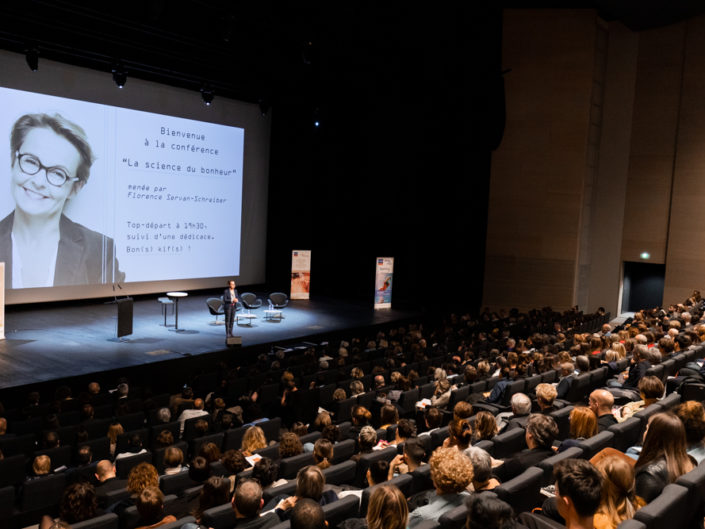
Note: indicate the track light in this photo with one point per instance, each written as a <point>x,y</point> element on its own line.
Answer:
<point>119,75</point>
<point>32,57</point>
<point>207,95</point>
<point>317,117</point>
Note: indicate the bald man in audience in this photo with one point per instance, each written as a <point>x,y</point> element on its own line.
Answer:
<point>3,426</point>
<point>601,402</point>
<point>107,481</point>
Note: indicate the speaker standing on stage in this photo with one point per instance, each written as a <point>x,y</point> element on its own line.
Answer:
<point>230,304</point>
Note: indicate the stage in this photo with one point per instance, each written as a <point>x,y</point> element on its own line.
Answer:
<point>45,344</point>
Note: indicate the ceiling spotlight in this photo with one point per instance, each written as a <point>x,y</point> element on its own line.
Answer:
<point>316,117</point>
<point>119,75</point>
<point>207,95</point>
<point>32,57</point>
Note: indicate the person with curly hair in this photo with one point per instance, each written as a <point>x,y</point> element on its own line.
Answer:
<point>290,445</point>
<point>142,476</point>
<point>692,415</point>
<point>150,506</point>
<point>451,473</point>
<point>78,503</point>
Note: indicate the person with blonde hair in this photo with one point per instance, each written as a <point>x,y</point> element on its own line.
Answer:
<point>619,501</point>
<point>451,473</point>
<point>546,394</point>
<point>41,465</point>
<point>485,427</point>
<point>114,430</point>
<point>387,508</point>
<point>253,440</point>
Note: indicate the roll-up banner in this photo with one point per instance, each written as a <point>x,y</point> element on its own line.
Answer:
<point>300,274</point>
<point>383,282</point>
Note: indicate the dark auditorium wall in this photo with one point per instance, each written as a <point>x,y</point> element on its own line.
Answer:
<point>409,108</point>
<point>602,160</point>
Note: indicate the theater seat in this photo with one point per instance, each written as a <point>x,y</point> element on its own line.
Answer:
<point>523,492</point>
<point>596,443</point>
<point>509,443</point>
<point>340,510</point>
<point>403,482</point>
<point>105,521</point>
<point>289,466</point>
<point>341,473</point>
<point>668,510</point>
<point>343,450</point>
<point>547,464</point>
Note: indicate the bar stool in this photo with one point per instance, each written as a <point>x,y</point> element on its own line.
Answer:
<point>165,302</point>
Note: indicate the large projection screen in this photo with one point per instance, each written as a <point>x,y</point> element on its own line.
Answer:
<point>137,190</point>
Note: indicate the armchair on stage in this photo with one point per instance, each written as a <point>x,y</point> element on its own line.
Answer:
<point>215,307</point>
<point>279,300</point>
<point>250,301</point>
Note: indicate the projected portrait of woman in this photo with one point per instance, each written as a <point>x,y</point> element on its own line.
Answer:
<point>50,163</point>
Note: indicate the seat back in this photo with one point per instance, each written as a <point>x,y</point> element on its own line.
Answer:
<point>365,460</point>
<point>341,473</point>
<point>343,450</point>
<point>562,418</point>
<point>516,386</point>
<point>407,402</point>
<point>220,517</point>
<point>403,482</point>
<point>42,492</point>
<point>250,301</point>
<point>7,501</point>
<point>579,388</point>
<point>216,438</point>
<point>190,431</point>
<point>596,443</point>
<point>626,433</point>
<point>668,510</point>
<point>105,521</point>
<point>694,481</point>
<point>438,436</point>
<point>125,464</point>
<point>289,466</point>
<point>176,483</point>
<point>278,299</point>
<point>233,438</point>
<point>509,443</point>
<point>215,306</point>
<point>338,511</point>
<point>523,492</point>
<point>343,409</point>
<point>60,456</point>
<point>547,464</point>
<point>12,470</point>
<point>271,428</point>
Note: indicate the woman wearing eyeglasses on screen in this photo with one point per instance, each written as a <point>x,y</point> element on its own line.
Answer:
<point>51,161</point>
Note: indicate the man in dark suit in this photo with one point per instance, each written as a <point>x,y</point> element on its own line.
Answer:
<point>541,431</point>
<point>230,299</point>
<point>107,482</point>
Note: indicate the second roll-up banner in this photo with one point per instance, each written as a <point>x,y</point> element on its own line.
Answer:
<point>383,282</point>
<point>300,274</point>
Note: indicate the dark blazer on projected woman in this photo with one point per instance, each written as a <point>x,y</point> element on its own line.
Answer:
<point>84,257</point>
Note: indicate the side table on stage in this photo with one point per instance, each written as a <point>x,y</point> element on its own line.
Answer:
<point>273,314</point>
<point>247,316</point>
<point>176,296</point>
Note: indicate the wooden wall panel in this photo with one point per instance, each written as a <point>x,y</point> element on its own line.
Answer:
<point>538,171</point>
<point>652,151</point>
<point>685,264</point>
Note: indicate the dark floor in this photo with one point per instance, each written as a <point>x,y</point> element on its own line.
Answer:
<point>59,342</point>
